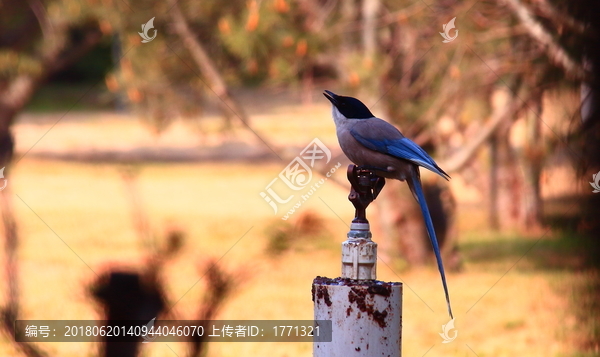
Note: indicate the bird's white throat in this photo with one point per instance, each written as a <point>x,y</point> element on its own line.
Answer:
<point>338,118</point>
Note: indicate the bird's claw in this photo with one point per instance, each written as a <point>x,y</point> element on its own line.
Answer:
<point>366,186</point>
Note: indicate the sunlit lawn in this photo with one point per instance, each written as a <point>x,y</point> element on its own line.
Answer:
<point>75,221</point>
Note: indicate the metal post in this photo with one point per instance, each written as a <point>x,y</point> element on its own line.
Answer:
<point>366,313</point>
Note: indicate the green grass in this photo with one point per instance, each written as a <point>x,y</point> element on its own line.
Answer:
<point>76,97</point>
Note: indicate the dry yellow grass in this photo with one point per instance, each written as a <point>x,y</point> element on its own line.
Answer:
<point>520,313</point>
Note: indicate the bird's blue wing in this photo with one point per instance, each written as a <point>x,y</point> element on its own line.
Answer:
<point>394,143</point>
<point>373,144</point>
<point>409,150</point>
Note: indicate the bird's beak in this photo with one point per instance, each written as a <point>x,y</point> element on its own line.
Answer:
<point>331,96</point>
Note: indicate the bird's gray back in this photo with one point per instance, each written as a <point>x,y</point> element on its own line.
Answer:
<point>375,128</point>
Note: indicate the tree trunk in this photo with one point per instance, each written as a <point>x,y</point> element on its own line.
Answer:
<point>16,92</point>
<point>348,48</point>
<point>370,8</point>
<point>508,181</point>
<point>493,217</point>
<point>307,84</point>
<point>11,309</point>
<point>532,161</point>
<point>401,223</point>
<point>126,296</point>
<point>442,207</point>
<point>505,183</point>
<point>403,228</point>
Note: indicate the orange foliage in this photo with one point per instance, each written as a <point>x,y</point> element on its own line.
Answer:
<point>252,66</point>
<point>224,26</point>
<point>281,6</point>
<point>301,48</point>
<point>134,95</point>
<point>287,41</point>
<point>105,27</point>
<point>253,16</point>
<point>354,79</point>
<point>111,83</point>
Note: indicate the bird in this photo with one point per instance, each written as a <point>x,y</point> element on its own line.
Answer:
<point>374,144</point>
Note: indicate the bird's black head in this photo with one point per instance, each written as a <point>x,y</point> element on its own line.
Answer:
<point>351,108</point>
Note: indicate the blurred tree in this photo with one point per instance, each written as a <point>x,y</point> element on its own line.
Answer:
<point>459,100</point>
<point>37,40</point>
<point>500,48</point>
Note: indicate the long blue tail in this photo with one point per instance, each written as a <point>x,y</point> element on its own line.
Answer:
<point>414,182</point>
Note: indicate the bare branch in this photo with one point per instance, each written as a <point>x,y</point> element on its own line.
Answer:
<point>457,161</point>
<point>500,33</point>
<point>316,13</point>
<point>140,218</point>
<point>220,285</point>
<point>40,13</point>
<point>210,72</point>
<point>204,63</point>
<point>556,53</point>
<point>53,58</point>
<point>546,9</point>
<point>17,92</point>
<point>54,35</point>
<point>351,25</point>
